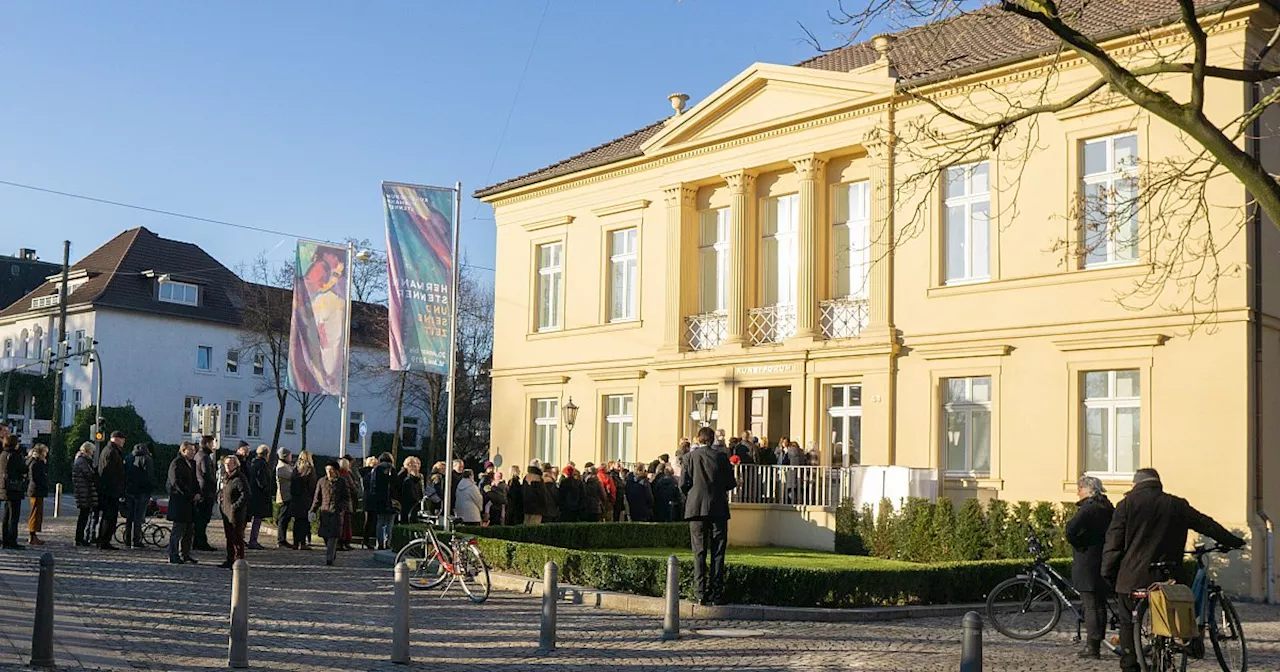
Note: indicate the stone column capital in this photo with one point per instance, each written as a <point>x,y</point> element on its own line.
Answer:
<point>679,195</point>
<point>879,144</point>
<point>741,181</point>
<point>809,166</point>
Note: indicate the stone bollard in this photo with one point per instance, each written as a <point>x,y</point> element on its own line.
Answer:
<point>238,648</point>
<point>57,500</point>
<point>671,619</point>
<point>971,643</point>
<point>42,629</point>
<point>550,595</point>
<point>400,605</point>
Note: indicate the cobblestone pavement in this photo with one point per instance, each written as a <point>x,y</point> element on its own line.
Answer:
<point>132,610</point>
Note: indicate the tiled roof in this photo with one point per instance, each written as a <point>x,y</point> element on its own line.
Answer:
<point>984,38</point>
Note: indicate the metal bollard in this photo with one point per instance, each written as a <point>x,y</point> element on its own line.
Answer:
<point>550,595</point>
<point>671,620</point>
<point>400,605</point>
<point>57,500</point>
<point>971,643</point>
<point>42,629</point>
<point>238,647</point>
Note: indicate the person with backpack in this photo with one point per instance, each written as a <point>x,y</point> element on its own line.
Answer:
<point>13,480</point>
<point>84,483</point>
<point>381,498</point>
<point>261,484</point>
<point>137,491</point>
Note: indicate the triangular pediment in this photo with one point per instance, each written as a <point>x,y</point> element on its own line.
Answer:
<point>766,95</point>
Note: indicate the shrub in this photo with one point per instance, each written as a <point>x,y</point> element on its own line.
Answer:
<point>941,541</point>
<point>886,521</point>
<point>971,541</point>
<point>849,539</point>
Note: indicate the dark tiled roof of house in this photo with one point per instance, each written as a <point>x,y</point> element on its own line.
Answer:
<point>981,39</point>
<point>114,279</point>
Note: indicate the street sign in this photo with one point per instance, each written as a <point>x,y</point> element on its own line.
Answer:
<point>364,429</point>
<point>41,426</point>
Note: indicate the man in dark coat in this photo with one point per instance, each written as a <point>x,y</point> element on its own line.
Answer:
<point>381,490</point>
<point>207,480</point>
<point>571,495</point>
<point>184,492</point>
<point>13,488</point>
<point>1086,532</point>
<point>515,498</point>
<point>332,498</point>
<point>111,487</point>
<point>1149,526</point>
<point>261,487</point>
<point>708,478</point>
<point>640,496</point>
<point>84,482</point>
<point>666,496</point>
<point>137,477</point>
<point>234,500</point>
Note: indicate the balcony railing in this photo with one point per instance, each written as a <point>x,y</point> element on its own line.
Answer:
<point>827,486</point>
<point>706,331</point>
<point>844,318</point>
<point>772,324</point>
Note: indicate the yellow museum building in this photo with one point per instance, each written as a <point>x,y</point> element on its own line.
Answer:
<point>812,250</point>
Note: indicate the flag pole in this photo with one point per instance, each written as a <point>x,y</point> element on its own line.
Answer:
<point>346,359</point>
<point>453,359</point>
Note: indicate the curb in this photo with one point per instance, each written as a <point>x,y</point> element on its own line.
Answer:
<point>656,606</point>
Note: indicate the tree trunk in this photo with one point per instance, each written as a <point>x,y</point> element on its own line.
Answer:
<point>304,429</point>
<point>281,397</point>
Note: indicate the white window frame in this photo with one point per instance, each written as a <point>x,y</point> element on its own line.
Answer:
<point>39,334</point>
<point>1112,404</point>
<point>851,219</point>
<point>208,368</point>
<point>253,427</point>
<point>259,364</point>
<point>181,293</point>
<point>780,271</point>
<point>290,425</point>
<point>967,202</point>
<point>1110,181</point>
<point>24,345</point>
<point>8,348</point>
<point>549,317</point>
<point>231,418</point>
<point>80,337</point>
<point>615,428</point>
<point>624,274</point>
<point>233,362</point>
<point>77,401</point>
<point>967,407</point>
<point>354,418</point>
<point>713,251</point>
<point>843,416</point>
<point>546,429</point>
<point>188,402</point>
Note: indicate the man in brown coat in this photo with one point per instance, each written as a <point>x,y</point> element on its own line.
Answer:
<point>234,503</point>
<point>333,497</point>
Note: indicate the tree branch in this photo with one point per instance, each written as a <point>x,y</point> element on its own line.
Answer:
<point>1200,42</point>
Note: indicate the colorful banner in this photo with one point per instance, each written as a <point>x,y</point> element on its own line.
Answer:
<point>419,275</point>
<point>318,331</point>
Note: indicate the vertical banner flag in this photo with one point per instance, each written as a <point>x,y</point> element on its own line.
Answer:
<point>318,330</point>
<point>420,261</point>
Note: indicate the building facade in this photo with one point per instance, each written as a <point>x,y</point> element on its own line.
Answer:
<point>22,273</point>
<point>781,250</point>
<point>167,345</point>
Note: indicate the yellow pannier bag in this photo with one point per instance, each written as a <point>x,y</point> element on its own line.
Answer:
<point>1173,610</point>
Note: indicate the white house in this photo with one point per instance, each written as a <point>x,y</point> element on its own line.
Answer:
<point>166,346</point>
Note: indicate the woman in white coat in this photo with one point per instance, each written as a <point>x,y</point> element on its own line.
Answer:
<point>470,503</point>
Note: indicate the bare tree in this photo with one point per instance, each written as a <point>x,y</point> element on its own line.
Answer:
<point>368,278</point>
<point>945,123</point>
<point>265,308</point>
<point>310,403</point>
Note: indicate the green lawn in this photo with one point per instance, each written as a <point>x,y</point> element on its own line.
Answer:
<point>776,556</point>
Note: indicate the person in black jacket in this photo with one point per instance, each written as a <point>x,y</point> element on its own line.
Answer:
<point>570,493</point>
<point>184,493</point>
<point>666,495</point>
<point>640,496</point>
<point>332,498</point>
<point>261,479</point>
<point>84,483</point>
<point>207,480</point>
<point>707,480</point>
<point>534,496</point>
<point>1149,526</point>
<point>515,498</point>
<point>13,487</point>
<point>111,487</point>
<point>1086,532</point>
<point>137,490</point>
<point>381,494</point>
<point>234,501</point>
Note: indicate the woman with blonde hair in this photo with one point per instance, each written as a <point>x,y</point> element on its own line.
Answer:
<point>37,490</point>
<point>302,489</point>
<point>84,483</point>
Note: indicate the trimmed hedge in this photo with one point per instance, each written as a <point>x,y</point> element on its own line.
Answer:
<point>579,536</point>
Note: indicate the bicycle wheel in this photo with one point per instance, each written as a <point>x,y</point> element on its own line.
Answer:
<point>1155,654</point>
<point>1023,608</point>
<point>1227,635</point>
<point>473,573</point>
<point>156,535</point>
<point>425,570</point>
<point>119,535</point>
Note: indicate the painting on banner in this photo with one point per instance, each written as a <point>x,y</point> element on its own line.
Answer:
<point>420,259</point>
<point>318,331</point>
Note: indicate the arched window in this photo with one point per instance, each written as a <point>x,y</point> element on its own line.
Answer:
<point>24,344</point>
<point>39,342</point>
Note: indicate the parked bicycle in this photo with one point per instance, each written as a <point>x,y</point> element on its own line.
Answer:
<point>153,533</point>
<point>432,561</point>
<point>1215,616</point>
<point>1029,605</point>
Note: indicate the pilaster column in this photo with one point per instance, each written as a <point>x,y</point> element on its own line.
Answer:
<point>811,170</point>
<point>880,152</point>
<point>742,196</point>
<point>679,200</point>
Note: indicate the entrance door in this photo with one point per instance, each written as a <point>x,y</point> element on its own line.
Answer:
<point>758,412</point>
<point>769,413</point>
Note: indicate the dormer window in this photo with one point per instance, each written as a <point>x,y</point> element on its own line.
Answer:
<point>180,292</point>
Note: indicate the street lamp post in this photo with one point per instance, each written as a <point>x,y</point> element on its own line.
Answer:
<point>705,408</point>
<point>570,419</point>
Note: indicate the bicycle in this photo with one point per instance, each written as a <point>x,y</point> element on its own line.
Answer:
<point>432,560</point>
<point>1029,605</point>
<point>1215,616</point>
<point>152,533</point>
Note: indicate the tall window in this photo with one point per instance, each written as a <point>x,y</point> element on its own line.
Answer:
<point>233,361</point>
<point>8,347</point>
<point>851,243</point>
<point>254,427</point>
<point>354,418</point>
<point>187,404</point>
<point>259,364</point>
<point>179,292</point>
<point>546,421</point>
<point>77,401</point>
<point>713,260</point>
<point>619,427</point>
<point>290,425</point>
<point>968,223</point>
<point>693,400</point>
<point>623,274</point>
<point>1111,200</point>
<point>409,433</point>
<point>966,427</point>
<point>550,280</point>
<point>39,342</point>
<point>231,418</point>
<point>780,251</point>
<point>844,412</point>
<point>24,344</point>
<point>80,341</point>
<point>204,358</point>
<point>1112,421</point>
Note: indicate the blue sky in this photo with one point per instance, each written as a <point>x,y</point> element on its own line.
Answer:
<point>288,115</point>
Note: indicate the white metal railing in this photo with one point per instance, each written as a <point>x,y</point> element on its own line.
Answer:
<point>844,318</point>
<point>827,486</point>
<point>772,324</point>
<point>706,331</point>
